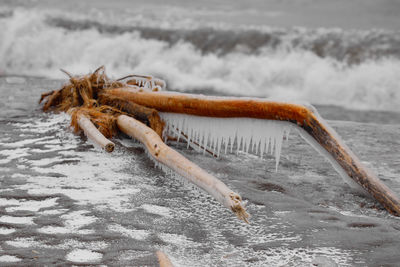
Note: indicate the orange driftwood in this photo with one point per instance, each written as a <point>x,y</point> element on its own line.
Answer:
<point>94,134</point>
<point>175,161</point>
<point>142,113</point>
<point>163,259</point>
<point>303,116</point>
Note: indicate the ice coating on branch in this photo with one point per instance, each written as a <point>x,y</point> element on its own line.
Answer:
<point>151,83</point>
<point>228,134</point>
<point>146,83</point>
<point>313,143</point>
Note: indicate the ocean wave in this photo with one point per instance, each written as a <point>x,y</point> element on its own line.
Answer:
<point>252,63</point>
<point>350,46</point>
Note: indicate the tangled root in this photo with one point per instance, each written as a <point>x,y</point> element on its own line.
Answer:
<point>80,96</point>
<point>104,118</point>
<point>79,91</point>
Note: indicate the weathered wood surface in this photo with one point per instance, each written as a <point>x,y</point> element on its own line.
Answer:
<point>167,156</point>
<point>303,116</point>
<point>94,134</point>
<point>163,259</point>
<point>139,112</point>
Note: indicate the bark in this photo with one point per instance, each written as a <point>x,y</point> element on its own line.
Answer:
<point>94,134</point>
<point>148,115</point>
<point>182,166</point>
<point>305,117</point>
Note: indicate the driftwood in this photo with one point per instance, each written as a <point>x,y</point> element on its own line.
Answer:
<point>163,259</point>
<point>93,133</point>
<point>303,116</point>
<point>101,117</point>
<point>142,113</point>
<point>102,100</point>
<point>162,153</point>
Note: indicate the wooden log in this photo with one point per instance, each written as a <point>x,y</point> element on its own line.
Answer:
<point>163,259</point>
<point>94,134</point>
<point>182,166</point>
<point>305,117</point>
<point>148,115</point>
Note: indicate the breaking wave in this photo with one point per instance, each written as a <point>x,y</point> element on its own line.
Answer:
<point>353,69</point>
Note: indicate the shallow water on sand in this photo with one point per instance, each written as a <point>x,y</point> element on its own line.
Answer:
<point>63,201</point>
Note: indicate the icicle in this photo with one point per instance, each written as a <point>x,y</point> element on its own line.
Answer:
<point>278,149</point>
<point>272,144</point>
<point>239,143</point>
<point>219,141</point>
<point>262,148</point>
<point>189,136</point>
<point>287,130</point>
<point>205,143</point>
<point>216,134</point>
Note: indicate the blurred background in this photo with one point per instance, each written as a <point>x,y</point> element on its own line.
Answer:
<point>341,53</point>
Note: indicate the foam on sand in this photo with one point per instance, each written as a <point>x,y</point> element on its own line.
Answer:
<point>84,256</point>
<point>31,205</point>
<point>8,258</point>
<point>6,231</point>
<point>73,222</point>
<point>17,220</point>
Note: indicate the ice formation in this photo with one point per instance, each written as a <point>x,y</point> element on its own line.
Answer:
<point>143,82</point>
<point>150,83</point>
<point>313,143</point>
<point>228,134</point>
